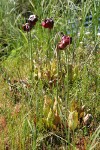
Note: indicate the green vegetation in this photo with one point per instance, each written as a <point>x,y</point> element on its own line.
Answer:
<point>49,98</point>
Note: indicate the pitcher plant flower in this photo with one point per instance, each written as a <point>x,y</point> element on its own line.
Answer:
<point>32,20</point>
<point>48,23</point>
<point>26,27</point>
<point>30,24</point>
<point>65,40</point>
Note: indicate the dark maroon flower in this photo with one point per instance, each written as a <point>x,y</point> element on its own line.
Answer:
<point>48,23</point>
<point>65,40</point>
<point>26,27</point>
<point>32,20</point>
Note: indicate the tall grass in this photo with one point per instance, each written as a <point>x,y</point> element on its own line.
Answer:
<point>32,79</point>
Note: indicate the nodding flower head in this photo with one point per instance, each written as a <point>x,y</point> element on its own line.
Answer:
<point>65,40</point>
<point>32,20</point>
<point>48,23</point>
<point>26,27</point>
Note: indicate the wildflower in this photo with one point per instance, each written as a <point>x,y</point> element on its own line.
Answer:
<point>98,34</point>
<point>87,33</point>
<point>48,23</point>
<point>26,27</point>
<point>66,40</point>
<point>32,20</point>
